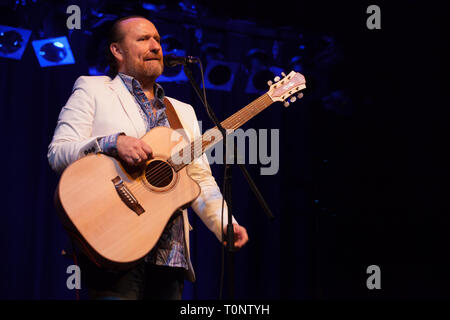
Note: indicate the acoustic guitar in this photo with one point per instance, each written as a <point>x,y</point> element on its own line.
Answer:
<point>116,213</point>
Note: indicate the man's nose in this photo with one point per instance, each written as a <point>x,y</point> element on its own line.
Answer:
<point>155,46</point>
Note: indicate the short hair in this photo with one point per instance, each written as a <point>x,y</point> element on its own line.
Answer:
<point>115,35</point>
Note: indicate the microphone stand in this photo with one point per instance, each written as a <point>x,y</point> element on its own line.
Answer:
<point>227,187</point>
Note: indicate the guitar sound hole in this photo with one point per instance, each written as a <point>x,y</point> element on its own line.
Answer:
<point>159,173</point>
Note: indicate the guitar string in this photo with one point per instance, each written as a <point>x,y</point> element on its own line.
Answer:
<point>245,111</point>
<point>160,173</point>
<point>249,109</point>
<point>195,146</point>
<point>156,174</point>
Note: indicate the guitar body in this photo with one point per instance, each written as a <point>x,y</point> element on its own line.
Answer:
<point>117,214</point>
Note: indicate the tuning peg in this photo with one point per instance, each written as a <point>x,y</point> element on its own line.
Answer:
<point>276,79</point>
<point>269,82</point>
<point>300,95</point>
<point>293,99</point>
<point>286,104</point>
<point>283,74</point>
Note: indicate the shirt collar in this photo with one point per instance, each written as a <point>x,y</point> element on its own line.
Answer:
<point>132,84</point>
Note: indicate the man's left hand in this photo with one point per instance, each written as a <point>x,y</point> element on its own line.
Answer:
<point>240,235</point>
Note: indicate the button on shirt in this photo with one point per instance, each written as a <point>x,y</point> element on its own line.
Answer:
<point>170,248</point>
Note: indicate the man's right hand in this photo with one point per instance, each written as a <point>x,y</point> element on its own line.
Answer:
<point>132,150</point>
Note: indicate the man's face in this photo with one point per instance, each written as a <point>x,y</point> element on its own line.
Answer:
<point>141,52</point>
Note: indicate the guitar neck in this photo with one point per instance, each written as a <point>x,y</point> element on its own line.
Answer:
<point>245,114</point>
<point>213,135</point>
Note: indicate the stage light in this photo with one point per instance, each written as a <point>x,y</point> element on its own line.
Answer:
<point>149,6</point>
<point>13,42</point>
<point>98,70</point>
<point>97,43</point>
<point>154,7</point>
<point>171,45</point>
<point>211,51</point>
<point>53,52</point>
<point>260,71</point>
<point>257,81</point>
<point>296,64</point>
<point>219,75</point>
<point>188,6</point>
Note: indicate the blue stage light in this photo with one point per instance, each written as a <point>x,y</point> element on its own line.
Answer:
<point>188,6</point>
<point>261,70</point>
<point>98,70</point>
<point>171,45</point>
<point>149,6</point>
<point>296,64</point>
<point>257,80</point>
<point>13,42</point>
<point>53,52</point>
<point>219,75</point>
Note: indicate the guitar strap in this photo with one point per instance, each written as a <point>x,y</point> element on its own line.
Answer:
<point>175,123</point>
<point>172,116</point>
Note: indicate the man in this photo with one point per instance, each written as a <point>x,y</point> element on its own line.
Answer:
<point>110,115</point>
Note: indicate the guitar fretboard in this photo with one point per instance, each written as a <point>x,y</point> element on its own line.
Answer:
<point>189,153</point>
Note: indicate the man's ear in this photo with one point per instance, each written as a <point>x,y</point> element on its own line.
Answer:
<point>116,51</point>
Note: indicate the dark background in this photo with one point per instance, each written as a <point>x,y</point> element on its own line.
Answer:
<point>363,179</point>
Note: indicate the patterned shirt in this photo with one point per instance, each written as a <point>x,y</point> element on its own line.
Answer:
<point>170,249</point>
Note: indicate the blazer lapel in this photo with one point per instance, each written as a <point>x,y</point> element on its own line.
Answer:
<point>129,105</point>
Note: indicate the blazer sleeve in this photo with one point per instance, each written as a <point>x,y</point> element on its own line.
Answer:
<point>208,205</point>
<point>72,137</point>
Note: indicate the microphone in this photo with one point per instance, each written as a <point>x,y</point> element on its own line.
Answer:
<point>171,60</point>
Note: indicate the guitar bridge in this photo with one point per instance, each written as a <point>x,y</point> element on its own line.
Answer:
<point>126,196</point>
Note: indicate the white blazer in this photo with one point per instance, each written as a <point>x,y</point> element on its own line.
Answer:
<point>99,107</point>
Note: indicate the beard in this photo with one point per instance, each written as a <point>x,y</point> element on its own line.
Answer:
<point>145,70</point>
<point>153,69</point>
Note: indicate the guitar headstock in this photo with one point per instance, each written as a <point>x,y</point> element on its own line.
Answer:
<point>284,88</point>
